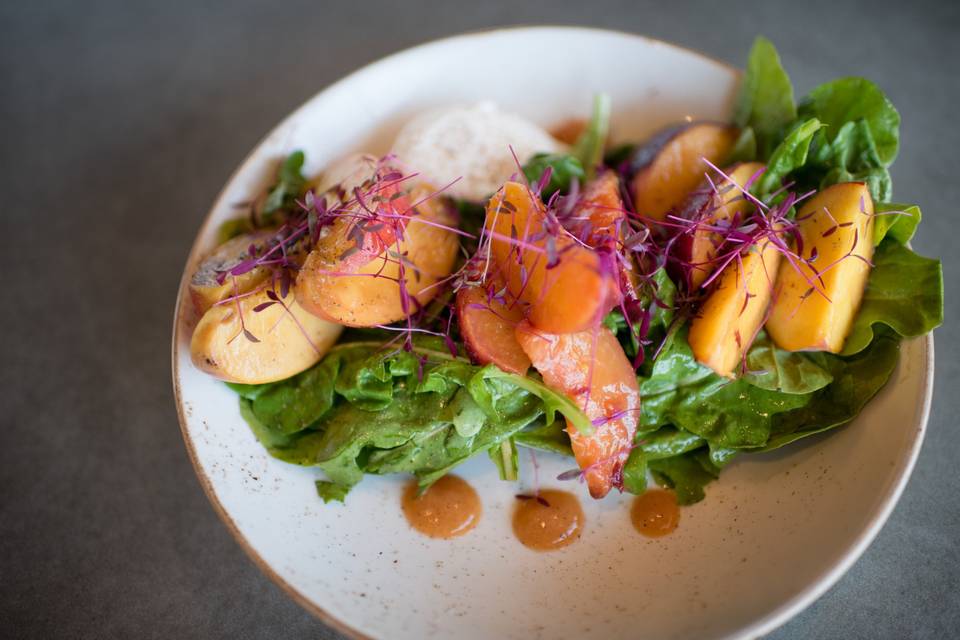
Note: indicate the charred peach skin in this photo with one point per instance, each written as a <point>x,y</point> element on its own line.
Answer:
<point>734,310</point>
<point>206,291</point>
<point>487,326</point>
<point>288,340</point>
<point>591,368</point>
<point>671,165</point>
<point>699,246</point>
<point>360,285</point>
<point>818,299</point>
<point>572,295</point>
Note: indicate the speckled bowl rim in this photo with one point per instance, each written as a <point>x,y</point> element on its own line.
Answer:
<point>759,627</point>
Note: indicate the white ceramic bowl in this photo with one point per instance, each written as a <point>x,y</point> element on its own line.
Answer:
<point>773,534</point>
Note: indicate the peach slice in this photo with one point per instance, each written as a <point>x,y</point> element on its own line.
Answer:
<point>591,368</point>
<point>817,300</point>
<point>671,165</point>
<point>206,291</point>
<point>732,314</point>
<point>571,295</point>
<point>487,326</point>
<point>700,245</point>
<point>357,283</point>
<point>283,339</point>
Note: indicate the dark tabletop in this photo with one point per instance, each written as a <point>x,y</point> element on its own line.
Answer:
<point>119,123</point>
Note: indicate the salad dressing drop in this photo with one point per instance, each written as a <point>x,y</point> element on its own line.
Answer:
<point>655,513</point>
<point>550,520</point>
<point>448,509</point>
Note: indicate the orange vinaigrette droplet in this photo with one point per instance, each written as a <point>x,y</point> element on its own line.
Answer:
<point>448,509</point>
<point>550,520</point>
<point>655,513</point>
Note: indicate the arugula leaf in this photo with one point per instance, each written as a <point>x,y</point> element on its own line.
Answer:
<point>765,102</point>
<point>564,169</point>
<point>788,156</point>
<point>904,292</point>
<point>774,369</point>
<point>847,100</point>
<point>898,221</point>
<point>588,148</point>
<point>290,183</point>
<point>856,380</point>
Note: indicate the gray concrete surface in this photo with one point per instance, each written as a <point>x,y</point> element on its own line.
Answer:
<point>120,121</point>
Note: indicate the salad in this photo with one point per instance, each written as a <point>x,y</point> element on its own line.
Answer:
<point>651,311</point>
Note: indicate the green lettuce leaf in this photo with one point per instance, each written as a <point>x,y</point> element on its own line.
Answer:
<point>553,402</point>
<point>564,169</point>
<point>362,410</point>
<point>728,413</point>
<point>331,491</point>
<point>774,369</point>
<point>856,380</point>
<point>686,474</point>
<point>787,157</point>
<point>852,156</point>
<point>898,221</point>
<point>765,102</point>
<point>290,184</point>
<point>547,437</point>
<point>904,292</point>
<point>847,100</point>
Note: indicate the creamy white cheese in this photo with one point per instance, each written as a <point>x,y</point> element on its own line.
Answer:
<point>470,143</point>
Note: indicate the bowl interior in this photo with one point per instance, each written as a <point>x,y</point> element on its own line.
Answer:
<point>773,533</point>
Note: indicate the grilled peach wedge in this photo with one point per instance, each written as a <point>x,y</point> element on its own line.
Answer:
<point>591,368</point>
<point>730,317</point>
<point>205,288</point>
<point>487,326</point>
<point>569,296</point>
<point>818,297</point>
<point>255,339</point>
<point>353,274</point>
<point>670,165</point>
<point>699,246</point>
